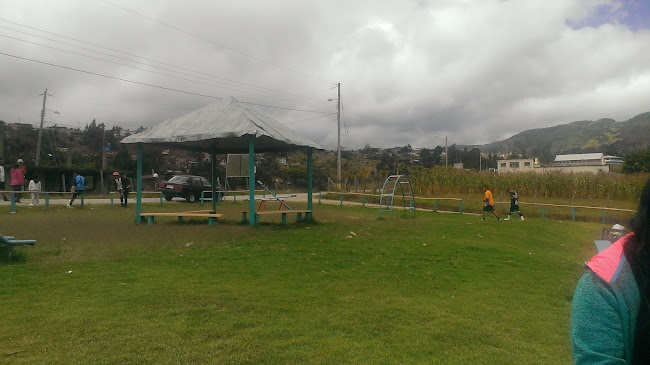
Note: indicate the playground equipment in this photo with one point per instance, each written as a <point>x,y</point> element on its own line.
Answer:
<point>390,190</point>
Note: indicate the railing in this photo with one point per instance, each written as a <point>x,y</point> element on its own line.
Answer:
<point>543,206</point>
<point>363,199</point>
<point>573,209</point>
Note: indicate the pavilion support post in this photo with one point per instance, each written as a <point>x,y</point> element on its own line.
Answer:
<point>310,166</point>
<point>213,155</point>
<point>251,180</point>
<point>138,196</point>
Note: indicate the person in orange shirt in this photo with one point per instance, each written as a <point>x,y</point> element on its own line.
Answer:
<point>488,203</point>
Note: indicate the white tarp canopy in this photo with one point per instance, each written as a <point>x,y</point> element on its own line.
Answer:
<point>223,127</point>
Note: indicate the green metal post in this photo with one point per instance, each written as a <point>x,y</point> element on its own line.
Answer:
<point>363,200</point>
<point>13,202</point>
<point>603,215</point>
<point>82,199</point>
<point>573,213</point>
<point>341,199</point>
<point>251,179</point>
<point>47,200</point>
<point>543,212</point>
<point>138,189</point>
<point>435,205</point>
<point>310,189</point>
<point>319,196</point>
<point>213,158</point>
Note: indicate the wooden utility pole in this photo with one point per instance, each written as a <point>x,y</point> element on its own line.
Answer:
<point>40,132</point>
<point>338,149</point>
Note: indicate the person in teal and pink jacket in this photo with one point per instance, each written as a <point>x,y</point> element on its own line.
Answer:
<point>610,316</point>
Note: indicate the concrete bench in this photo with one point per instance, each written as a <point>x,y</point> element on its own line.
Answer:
<point>10,242</point>
<point>212,216</point>
<point>283,213</point>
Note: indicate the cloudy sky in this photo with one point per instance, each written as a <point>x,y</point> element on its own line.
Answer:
<point>411,71</point>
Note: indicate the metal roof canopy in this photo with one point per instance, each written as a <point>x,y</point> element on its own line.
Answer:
<point>224,127</point>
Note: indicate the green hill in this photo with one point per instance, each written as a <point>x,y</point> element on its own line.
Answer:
<point>603,135</point>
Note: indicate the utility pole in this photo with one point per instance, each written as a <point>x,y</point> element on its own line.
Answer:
<point>338,153</point>
<point>338,145</point>
<point>446,154</point>
<point>101,174</point>
<point>40,131</point>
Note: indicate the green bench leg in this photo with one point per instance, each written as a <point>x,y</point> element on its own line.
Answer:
<point>150,219</point>
<point>284,219</point>
<point>180,219</point>
<point>243,217</point>
<point>298,217</point>
<point>211,221</point>
<point>257,219</point>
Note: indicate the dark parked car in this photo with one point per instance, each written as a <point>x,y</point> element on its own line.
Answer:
<point>186,186</point>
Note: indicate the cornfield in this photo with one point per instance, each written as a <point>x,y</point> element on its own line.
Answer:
<point>439,180</point>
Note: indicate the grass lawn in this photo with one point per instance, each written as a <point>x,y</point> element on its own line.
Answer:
<point>437,288</point>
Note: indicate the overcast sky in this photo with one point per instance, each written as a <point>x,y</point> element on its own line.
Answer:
<point>411,72</point>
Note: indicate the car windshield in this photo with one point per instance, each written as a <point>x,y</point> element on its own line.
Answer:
<point>178,179</point>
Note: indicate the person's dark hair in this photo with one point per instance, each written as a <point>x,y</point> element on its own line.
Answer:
<point>637,253</point>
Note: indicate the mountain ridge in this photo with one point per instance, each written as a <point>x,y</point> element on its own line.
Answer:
<point>602,135</point>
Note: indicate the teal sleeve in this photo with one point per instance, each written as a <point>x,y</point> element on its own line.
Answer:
<point>596,325</point>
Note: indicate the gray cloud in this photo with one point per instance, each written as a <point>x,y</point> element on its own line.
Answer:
<point>475,71</point>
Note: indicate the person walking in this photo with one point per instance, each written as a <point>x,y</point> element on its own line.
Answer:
<point>23,169</point>
<point>488,203</point>
<point>2,180</point>
<point>514,205</point>
<point>122,186</point>
<point>610,313</point>
<point>17,182</point>
<point>78,187</point>
<point>34,188</point>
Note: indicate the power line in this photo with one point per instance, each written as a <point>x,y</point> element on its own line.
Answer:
<point>139,68</point>
<point>308,119</point>
<point>108,77</point>
<point>144,58</point>
<point>209,40</point>
<point>150,85</point>
<point>279,107</point>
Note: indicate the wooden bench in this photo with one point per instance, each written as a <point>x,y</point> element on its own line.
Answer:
<point>10,242</point>
<point>283,213</point>
<point>211,215</point>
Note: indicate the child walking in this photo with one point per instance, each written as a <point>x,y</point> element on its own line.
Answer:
<point>34,188</point>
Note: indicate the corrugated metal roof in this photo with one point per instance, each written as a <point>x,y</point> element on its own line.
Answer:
<point>579,157</point>
<point>225,126</point>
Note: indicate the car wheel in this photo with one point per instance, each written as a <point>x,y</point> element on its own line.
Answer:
<point>191,198</point>
<point>168,198</point>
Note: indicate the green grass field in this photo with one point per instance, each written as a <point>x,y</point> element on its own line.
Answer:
<point>438,288</point>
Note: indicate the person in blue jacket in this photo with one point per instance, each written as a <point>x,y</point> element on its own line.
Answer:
<point>79,187</point>
<point>610,312</point>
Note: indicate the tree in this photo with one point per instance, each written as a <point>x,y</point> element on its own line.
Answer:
<point>636,162</point>
<point>426,158</point>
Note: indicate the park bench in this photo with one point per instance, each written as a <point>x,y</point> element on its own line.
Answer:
<point>10,242</point>
<point>283,213</point>
<point>211,215</point>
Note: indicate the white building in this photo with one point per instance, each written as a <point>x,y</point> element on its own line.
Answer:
<point>520,165</point>
<point>591,159</point>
